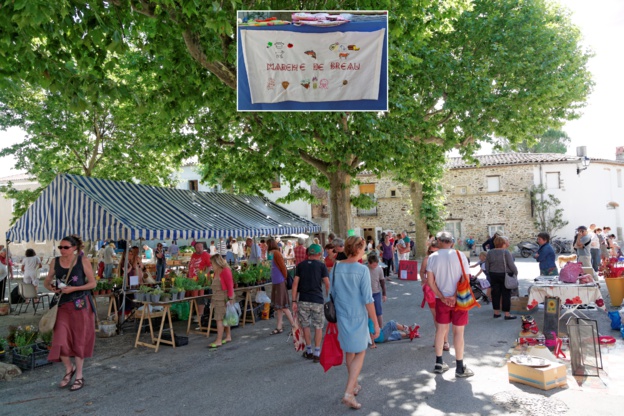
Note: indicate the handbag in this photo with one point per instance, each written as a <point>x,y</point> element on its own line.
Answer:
<point>48,320</point>
<point>329,308</point>
<point>511,280</point>
<point>298,338</point>
<point>571,272</point>
<point>331,352</point>
<point>465,298</point>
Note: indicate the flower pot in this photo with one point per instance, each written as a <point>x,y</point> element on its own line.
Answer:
<point>4,309</point>
<point>616,289</point>
<point>138,296</point>
<point>165,298</point>
<point>109,291</point>
<point>155,298</point>
<point>201,292</point>
<point>181,294</point>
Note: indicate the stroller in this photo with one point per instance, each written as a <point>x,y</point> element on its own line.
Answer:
<point>478,291</point>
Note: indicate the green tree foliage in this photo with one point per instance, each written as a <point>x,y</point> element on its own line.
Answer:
<point>548,216</point>
<point>459,73</point>
<point>553,141</point>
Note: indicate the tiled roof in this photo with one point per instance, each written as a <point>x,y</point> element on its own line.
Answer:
<point>17,177</point>
<point>502,159</point>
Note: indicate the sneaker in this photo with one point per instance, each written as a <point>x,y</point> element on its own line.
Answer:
<point>441,368</point>
<point>467,373</point>
<point>308,355</point>
<point>317,359</point>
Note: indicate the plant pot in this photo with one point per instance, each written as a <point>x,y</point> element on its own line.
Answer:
<point>201,292</point>
<point>138,296</point>
<point>181,294</point>
<point>4,309</point>
<point>616,289</point>
<point>109,291</point>
<point>165,298</point>
<point>155,298</point>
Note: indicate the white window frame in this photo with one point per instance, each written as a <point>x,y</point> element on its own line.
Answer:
<point>454,227</point>
<point>490,183</point>
<point>553,180</point>
<point>493,228</point>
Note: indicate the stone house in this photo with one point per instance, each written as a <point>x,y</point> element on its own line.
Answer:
<point>496,195</point>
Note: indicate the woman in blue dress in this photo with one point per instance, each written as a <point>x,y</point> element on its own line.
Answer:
<point>353,298</point>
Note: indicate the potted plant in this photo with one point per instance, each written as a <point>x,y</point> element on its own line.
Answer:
<point>108,287</point>
<point>165,297</point>
<point>155,295</point>
<point>46,339</point>
<point>96,289</point>
<point>4,347</point>
<point>175,292</point>
<point>117,282</point>
<point>180,284</point>
<point>143,293</point>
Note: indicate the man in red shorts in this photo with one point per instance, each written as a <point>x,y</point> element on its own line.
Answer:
<point>443,274</point>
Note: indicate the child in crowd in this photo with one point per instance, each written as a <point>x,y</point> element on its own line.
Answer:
<point>378,285</point>
<point>482,269</point>
<point>393,331</point>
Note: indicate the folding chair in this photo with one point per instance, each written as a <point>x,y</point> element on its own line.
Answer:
<point>29,293</point>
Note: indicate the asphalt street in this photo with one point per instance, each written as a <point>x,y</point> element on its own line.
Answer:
<point>259,374</point>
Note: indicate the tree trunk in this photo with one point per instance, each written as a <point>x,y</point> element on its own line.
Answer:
<point>421,232</point>
<point>340,202</point>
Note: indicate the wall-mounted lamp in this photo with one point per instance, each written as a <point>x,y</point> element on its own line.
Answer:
<point>585,161</point>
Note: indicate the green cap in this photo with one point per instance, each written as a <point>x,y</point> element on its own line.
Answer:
<point>315,249</point>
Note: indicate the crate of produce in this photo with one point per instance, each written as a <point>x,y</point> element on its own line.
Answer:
<point>38,358</point>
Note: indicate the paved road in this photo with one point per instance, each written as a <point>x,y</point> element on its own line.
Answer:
<point>260,374</point>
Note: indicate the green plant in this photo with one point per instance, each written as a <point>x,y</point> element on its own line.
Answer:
<point>117,281</point>
<point>4,344</point>
<point>202,278</point>
<point>157,292</point>
<point>23,336</point>
<point>47,336</point>
<point>145,289</point>
<point>174,290</point>
<point>547,216</point>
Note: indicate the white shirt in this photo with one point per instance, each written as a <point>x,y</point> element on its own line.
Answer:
<point>595,241</point>
<point>31,266</point>
<point>445,266</point>
<point>213,249</point>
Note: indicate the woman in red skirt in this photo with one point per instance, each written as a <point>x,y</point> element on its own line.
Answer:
<point>74,331</point>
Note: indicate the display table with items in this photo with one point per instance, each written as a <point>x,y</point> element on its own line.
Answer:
<point>572,295</point>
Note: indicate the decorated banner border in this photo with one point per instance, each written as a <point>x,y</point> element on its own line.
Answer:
<point>381,104</point>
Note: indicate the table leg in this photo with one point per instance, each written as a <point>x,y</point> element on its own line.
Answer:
<point>136,342</point>
<point>162,325</point>
<point>190,318</point>
<point>168,313</point>
<point>210,321</point>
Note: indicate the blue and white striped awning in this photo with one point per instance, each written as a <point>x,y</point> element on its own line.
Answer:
<point>99,209</point>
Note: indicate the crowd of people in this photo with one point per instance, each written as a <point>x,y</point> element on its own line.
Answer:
<point>594,245</point>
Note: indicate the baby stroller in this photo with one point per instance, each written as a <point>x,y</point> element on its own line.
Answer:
<point>478,291</point>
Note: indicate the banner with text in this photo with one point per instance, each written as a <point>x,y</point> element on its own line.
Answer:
<point>308,67</point>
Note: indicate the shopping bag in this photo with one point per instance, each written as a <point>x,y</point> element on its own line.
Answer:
<point>298,339</point>
<point>465,298</point>
<point>331,353</point>
<point>571,272</point>
<point>232,313</point>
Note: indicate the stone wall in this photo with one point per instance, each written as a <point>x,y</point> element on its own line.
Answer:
<point>468,201</point>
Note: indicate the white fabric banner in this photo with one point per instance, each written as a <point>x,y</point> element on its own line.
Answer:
<point>309,67</point>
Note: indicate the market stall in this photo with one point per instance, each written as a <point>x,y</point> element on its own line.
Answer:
<point>100,209</point>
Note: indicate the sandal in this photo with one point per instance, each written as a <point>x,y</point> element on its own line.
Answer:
<point>446,347</point>
<point>78,384</point>
<point>277,331</point>
<point>214,346</point>
<point>357,390</point>
<point>349,401</point>
<point>67,378</point>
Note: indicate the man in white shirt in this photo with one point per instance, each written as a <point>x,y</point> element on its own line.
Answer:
<point>109,262</point>
<point>594,247</point>
<point>443,273</point>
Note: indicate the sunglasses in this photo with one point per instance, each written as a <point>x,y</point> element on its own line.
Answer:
<point>64,247</point>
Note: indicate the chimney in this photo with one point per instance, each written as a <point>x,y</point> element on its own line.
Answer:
<point>581,151</point>
<point>619,153</point>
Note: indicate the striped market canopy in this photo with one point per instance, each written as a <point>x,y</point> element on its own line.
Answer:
<point>99,209</point>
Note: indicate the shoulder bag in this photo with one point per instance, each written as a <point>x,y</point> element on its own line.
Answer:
<point>511,280</point>
<point>48,320</point>
<point>465,298</point>
<point>328,307</point>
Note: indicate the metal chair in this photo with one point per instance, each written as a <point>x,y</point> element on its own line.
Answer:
<point>29,293</point>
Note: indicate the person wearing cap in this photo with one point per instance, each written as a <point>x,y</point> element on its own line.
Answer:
<point>300,251</point>
<point>308,299</point>
<point>594,247</point>
<point>582,246</point>
<point>443,273</point>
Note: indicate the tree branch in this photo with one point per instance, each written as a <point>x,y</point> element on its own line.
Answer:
<point>317,163</point>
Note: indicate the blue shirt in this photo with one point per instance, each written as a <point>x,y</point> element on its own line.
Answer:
<point>546,257</point>
<point>371,329</point>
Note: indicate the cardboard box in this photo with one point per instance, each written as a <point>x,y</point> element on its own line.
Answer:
<point>520,304</point>
<point>408,270</point>
<point>546,378</point>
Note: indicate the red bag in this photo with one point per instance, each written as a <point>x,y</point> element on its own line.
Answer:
<point>297,334</point>
<point>571,272</point>
<point>331,353</point>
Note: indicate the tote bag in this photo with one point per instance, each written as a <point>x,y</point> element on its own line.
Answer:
<point>465,298</point>
<point>331,353</point>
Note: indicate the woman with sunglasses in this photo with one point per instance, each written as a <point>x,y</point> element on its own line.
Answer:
<point>74,331</point>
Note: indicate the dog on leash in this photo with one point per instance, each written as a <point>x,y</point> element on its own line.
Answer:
<point>562,260</point>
